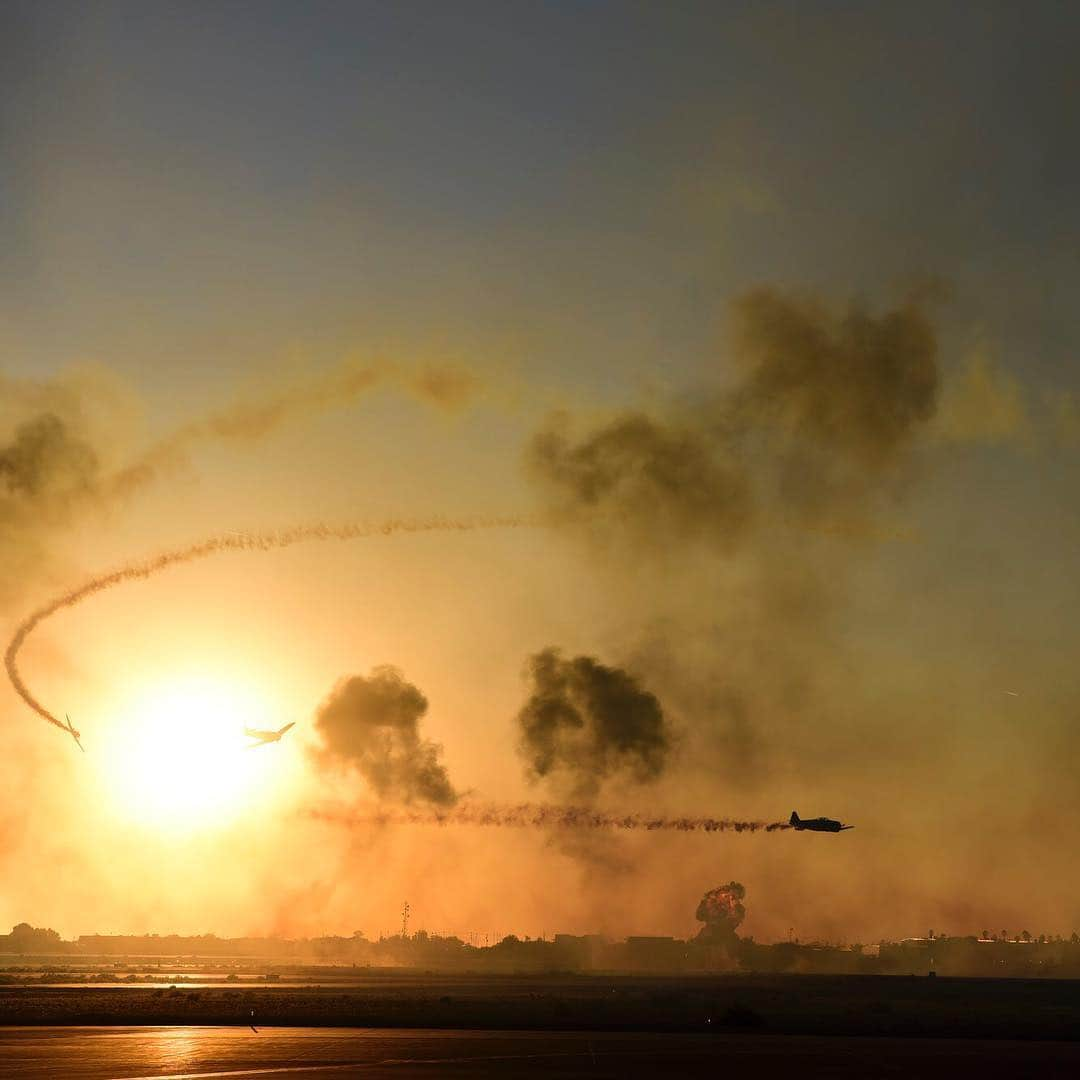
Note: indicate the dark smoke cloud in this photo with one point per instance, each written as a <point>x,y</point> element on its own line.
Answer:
<point>822,411</point>
<point>852,384</point>
<point>729,523</point>
<point>585,723</point>
<point>46,461</point>
<point>722,912</point>
<point>654,478</point>
<point>50,473</point>
<point>833,402</point>
<point>372,725</point>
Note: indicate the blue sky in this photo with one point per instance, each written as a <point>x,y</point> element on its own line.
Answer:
<point>189,181</point>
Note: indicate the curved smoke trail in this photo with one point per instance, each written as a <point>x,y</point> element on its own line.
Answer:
<point>541,815</point>
<point>259,541</point>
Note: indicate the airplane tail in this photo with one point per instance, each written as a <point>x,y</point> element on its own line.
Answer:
<point>795,819</point>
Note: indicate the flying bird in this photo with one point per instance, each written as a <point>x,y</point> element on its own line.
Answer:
<point>263,737</point>
<point>817,824</point>
<point>73,733</point>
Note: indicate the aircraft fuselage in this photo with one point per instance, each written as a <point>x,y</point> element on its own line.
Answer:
<point>817,824</point>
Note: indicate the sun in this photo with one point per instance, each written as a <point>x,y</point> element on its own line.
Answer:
<point>178,759</point>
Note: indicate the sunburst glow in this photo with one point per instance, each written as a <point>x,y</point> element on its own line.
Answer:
<point>178,758</point>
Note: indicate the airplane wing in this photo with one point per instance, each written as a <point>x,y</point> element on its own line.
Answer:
<point>73,733</point>
<point>281,731</point>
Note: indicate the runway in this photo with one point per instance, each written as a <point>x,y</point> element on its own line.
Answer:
<point>186,1053</point>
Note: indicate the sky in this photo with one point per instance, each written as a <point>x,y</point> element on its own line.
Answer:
<point>759,318</point>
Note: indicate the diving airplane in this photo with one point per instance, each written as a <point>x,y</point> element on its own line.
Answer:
<point>263,737</point>
<point>817,824</point>
<point>72,732</point>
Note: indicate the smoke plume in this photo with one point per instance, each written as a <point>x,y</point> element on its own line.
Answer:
<point>542,816</point>
<point>729,523</point>
<point>48,474</point>
<point>823,410</point>
<point>57,438</point>
<point>46,463</point>
<point>372,725</point>
<point>855,385</point>
<point>722,912</point>
<point>585,723</point>
<point>216,545</point>
<point>647,477</point>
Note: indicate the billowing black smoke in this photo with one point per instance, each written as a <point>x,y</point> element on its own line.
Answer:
<point>585,723</point>
<point>372,725</point>
<point>644,475</point>
<point>855,384</point>
<point>49,473</point>
<point>728,524</point>
<point>45,459</point>
<point>815,426</point>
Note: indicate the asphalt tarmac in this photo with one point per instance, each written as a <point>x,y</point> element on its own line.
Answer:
<point>28,1053</point>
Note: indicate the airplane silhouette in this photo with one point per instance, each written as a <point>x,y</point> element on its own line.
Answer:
<point>263,737</point>
<point>72,732</point>
<point>817,824</point>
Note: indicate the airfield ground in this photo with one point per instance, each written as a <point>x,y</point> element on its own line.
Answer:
<point>882,1006</point>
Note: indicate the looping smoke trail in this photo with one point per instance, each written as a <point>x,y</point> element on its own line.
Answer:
<point>215,545</point>
<point>539,816</point>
